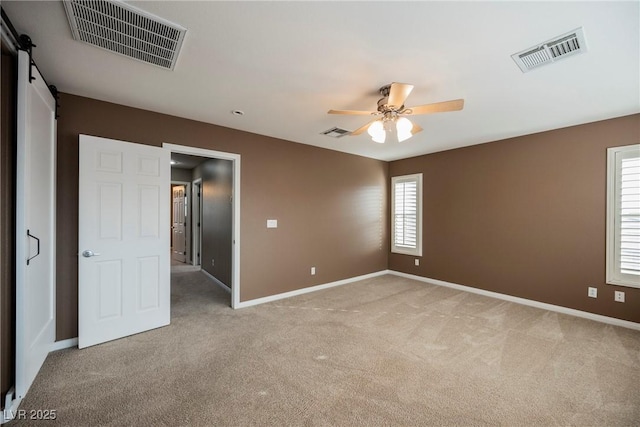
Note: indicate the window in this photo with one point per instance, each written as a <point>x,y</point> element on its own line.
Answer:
<point>406,214</point>
<point>623,216</point>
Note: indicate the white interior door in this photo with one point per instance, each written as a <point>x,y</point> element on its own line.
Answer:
<point>123,238</point>
<point>35,225</point>
<point>179,223</point>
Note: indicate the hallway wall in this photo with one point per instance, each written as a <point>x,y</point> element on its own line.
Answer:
<point>217,215</point>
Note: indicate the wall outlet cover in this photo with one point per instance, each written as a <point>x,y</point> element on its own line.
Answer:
<point>593,292</point>
<point>618,296</point>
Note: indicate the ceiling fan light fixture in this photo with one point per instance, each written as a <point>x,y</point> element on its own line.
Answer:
<point>391,110</point>
<point>389,125</point>
<point>379,139</point>
<point>377,131</point>
<point>404,127</point>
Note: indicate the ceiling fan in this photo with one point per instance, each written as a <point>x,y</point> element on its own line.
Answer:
<point>391,113</point>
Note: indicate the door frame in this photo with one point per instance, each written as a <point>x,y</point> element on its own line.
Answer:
<point>235,222</point>
<point>187,192</point>
<point>196,232</point>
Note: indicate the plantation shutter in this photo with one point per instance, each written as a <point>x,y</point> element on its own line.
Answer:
<point>629,202</point>
<point>406,214</point>
<point>623,216</point>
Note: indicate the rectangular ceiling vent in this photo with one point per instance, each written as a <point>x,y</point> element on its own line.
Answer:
<point>124,29</point>
<point>335,132</point>
<point>551,51</point>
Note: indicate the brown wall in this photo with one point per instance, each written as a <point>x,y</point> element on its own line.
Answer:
<point>216,222</point>
<point>318,196</point>
<point>7,223</point>
<point>524,216</point>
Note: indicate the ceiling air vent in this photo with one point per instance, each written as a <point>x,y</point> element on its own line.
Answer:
<point>551,51</point>
<point>335,132</point>
<point>124,29</point>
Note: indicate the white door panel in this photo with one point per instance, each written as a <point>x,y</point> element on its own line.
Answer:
<point>35,225</point>
<point>124,288</point>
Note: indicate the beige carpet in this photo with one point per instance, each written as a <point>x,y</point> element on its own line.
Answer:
<point>381,352</point>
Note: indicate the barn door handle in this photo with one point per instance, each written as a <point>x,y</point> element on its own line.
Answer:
<point>38,241</point>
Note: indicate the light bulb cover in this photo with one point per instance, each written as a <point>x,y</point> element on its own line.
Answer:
<point>379,138</point>
<point>375,128</point>
<point>404,127</point>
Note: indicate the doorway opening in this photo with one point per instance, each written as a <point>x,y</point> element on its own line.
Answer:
<point>205,190</point>
<point>180,221</point>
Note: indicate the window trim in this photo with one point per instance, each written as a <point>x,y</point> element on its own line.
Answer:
<point>417,251</point>
<point>613,274</point>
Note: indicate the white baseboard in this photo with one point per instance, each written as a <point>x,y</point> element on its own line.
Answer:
<point>216,281</point>
<point>10,408</point>
<point>61,345</point>
<point>302,291</point>
<point>523,301</point>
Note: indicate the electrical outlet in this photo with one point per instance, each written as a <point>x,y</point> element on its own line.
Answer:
<point>593,292</point>
<point>416,261</point>
<point>313,271</point>
<point>618,296</point>
<point>213,262</point>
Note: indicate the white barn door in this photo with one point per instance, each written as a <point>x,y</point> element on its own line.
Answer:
<point>35,225</point>
<point>123,259</point>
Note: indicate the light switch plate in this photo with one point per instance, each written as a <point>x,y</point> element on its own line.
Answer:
<point>272,223</point>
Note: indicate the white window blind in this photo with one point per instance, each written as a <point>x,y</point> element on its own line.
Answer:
<point>406,214</point>
<point>623,216</point>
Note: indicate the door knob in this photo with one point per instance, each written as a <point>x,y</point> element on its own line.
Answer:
<point>89,254</point>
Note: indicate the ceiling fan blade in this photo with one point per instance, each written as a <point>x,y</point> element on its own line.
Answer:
<point>398,93</point>
<point>415,129</point>
<point>437,107</point>
<point>361,129</point>
<point>351,112</point>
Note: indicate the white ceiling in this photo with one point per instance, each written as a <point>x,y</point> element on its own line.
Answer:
<point>286,63</point>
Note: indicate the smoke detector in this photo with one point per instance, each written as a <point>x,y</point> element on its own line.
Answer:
<point>121,28</point>
<point>561,47</point>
